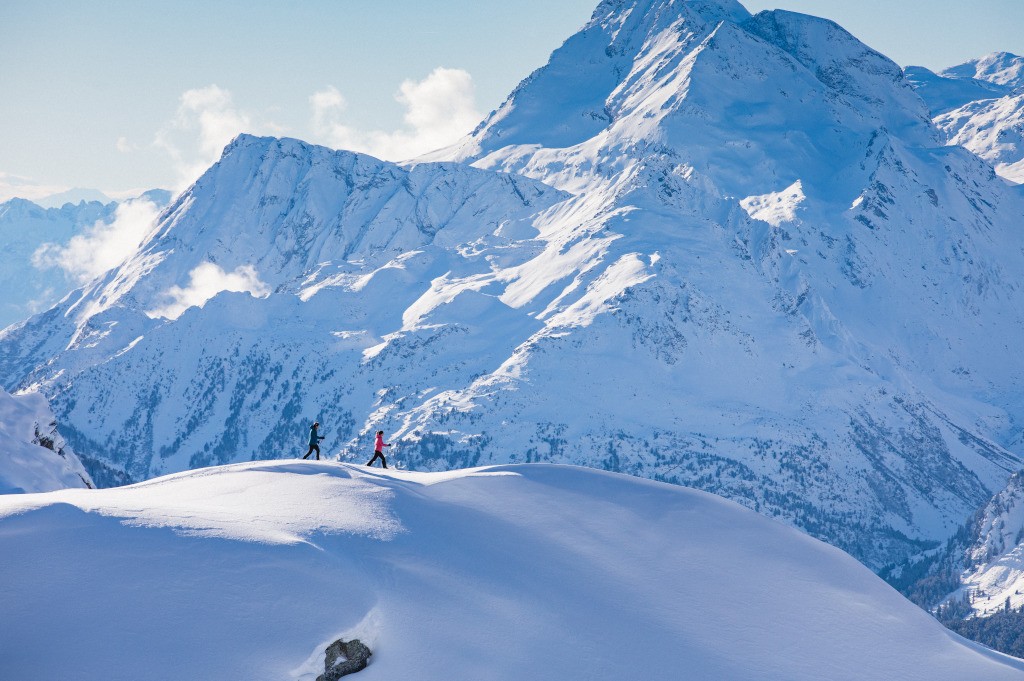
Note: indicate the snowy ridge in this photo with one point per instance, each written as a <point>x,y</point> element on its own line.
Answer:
<point>999,68</point>
<point>615,270</point>
<point>504,572</point>
<point>33,455</point>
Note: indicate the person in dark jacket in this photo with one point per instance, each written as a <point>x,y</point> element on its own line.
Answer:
<point>378,450</point>
<point>314,441</point>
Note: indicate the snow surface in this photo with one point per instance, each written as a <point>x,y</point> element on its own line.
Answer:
<point>33,455</point>
<point>508,572</point>
<point>776,208</point>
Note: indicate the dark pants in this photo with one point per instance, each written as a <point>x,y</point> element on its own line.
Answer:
<point>313,448</point>
<point>378,455</point>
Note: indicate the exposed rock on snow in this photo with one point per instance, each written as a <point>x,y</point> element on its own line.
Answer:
<point>344,658</point>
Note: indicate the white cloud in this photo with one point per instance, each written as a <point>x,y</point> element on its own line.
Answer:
<point>102,246</point>
<point>206,120</point>
<point>125,146</point>
<point>439,110</point>
<point>206,281</point>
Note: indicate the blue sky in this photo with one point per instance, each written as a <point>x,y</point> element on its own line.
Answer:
<point>125,95</point>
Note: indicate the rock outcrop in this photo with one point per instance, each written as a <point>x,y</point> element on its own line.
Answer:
<point>344,658</point>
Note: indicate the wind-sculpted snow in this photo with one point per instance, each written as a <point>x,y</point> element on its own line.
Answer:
<point>603,273</point>
<point>509,572</point>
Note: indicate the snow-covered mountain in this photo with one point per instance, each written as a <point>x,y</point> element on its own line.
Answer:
<point>722,250</point>
<point>30,283</point>
<point>943,93</point>
<point>33,455</point>
<point>24,227</point>
<point>974,583</point>
<point>73,196</point>
<point>999,68</point>
<point>993,129</point>
<point>980,105</point>
<point>511,572</point>
<point>993,575</point>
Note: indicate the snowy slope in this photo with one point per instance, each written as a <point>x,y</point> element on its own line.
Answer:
<point>33,455</point>
<point>722,250</point>
<point>513,572</point>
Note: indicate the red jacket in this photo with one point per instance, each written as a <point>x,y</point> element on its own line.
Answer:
<point>379,445</point>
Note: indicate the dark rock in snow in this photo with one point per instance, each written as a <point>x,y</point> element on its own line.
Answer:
<point>344,658</point>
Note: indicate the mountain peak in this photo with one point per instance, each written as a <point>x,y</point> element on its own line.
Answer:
<point>710,10</point>
<point>998,68</point>
<point>840,60</point>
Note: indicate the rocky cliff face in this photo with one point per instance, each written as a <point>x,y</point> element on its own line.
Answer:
<point>723,250</point>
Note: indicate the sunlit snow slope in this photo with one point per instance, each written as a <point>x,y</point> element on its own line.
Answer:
<point>515,572</point>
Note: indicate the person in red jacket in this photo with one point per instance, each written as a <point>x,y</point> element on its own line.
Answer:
<point>378,450</point>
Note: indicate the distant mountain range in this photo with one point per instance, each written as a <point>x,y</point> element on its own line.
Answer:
<point>25,226</point>
<point>980,105</point>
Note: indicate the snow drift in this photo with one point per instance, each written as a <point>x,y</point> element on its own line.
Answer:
<point>507,572</point>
